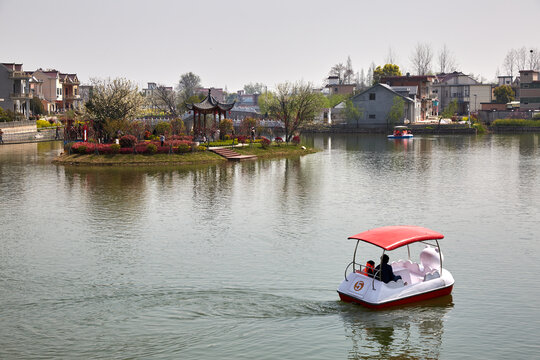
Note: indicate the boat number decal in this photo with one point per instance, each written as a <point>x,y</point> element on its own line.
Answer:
<point>359,285</point>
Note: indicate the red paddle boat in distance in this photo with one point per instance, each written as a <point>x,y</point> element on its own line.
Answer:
<point>419,281</point>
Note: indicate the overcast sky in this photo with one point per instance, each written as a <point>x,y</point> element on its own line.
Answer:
<point>231,43</point>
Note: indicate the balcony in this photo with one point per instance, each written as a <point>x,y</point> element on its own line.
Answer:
<point>72,97</point>
<point>21,96</point>
<point>19,75</point>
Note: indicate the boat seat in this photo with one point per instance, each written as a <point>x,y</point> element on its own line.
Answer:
<point>395,284</point>
<point>432,275</point>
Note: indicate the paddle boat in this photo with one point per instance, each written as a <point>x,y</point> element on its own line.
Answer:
<point>419,281</point>
<point>401,132</point>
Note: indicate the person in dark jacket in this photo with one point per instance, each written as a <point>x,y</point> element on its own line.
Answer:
<point>386,273</point>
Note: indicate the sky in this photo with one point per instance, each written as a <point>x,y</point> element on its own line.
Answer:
<point>235,42</point>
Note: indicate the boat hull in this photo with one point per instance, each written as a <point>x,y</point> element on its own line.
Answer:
<point>364,290</point>
<point>400,137</point>
<point>403,301</point>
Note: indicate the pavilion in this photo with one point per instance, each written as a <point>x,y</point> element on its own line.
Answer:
<point>208,106</point>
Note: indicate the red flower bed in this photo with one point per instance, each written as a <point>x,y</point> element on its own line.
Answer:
<point>163,150</point>
<point>126,151</point>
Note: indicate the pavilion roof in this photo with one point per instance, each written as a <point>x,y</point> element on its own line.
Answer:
<point>209,105</point>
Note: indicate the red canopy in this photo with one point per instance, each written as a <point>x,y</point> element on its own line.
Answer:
<point>392,237</point>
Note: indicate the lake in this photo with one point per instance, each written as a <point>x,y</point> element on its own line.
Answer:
<point>242,260</point>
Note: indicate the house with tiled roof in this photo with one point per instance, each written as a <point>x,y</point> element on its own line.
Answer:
<point>529,88</point>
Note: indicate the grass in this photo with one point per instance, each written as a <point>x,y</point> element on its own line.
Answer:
<point>517,122</point>
<point>274,151</point>
<point>203,157</point>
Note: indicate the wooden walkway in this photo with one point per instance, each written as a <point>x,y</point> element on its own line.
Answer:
<point>232,155</point>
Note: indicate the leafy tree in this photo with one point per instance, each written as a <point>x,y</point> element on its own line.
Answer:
<point>163,128</point>
<point>226,126</point>
<point>188,85</point>
<point>503,94</point>
<point>386,70</point>
<point>113,99</point>
<point>254,88</point>
<point>450,110</point>
<point>246,125</point>
<point>36,106</point>
<point>396,111</point>
<point>114,127</point>
<point>352,113</point>
<point>294,104</point>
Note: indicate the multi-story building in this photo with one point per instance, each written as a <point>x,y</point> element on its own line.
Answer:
<point>529,89</point>
<point>60,90</point>
<point>468,92</point>
<point>424,94</point>
<point>15,94</point>
<point>336,88</point>
<point>70,91</point>
<point>52,89</point>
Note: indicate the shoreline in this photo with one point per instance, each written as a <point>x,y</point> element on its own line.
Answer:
<point>195,158</point>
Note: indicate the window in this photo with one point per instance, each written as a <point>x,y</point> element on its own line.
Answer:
<point>372,97</point>
<point>372,116</point>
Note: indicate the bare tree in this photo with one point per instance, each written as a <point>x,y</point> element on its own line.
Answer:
<point>369,76</point>
<point>338,70</point>
<point>348,74</point>
<point>166,98</point>
<point>447,63</point>
<point>421,58</point>
<point>391,57</point>
<point>510,63</point>
<point>534,59</point>
<point>521,58</point>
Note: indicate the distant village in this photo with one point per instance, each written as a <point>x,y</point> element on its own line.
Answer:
<point>424,97</point>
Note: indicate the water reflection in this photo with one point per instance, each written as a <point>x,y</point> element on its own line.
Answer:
<point>409,332</point>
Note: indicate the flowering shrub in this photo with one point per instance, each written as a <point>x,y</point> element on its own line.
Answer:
<point>126,150</point>
<point>296,140</point>
<point>151,149</point>
<point>182,149</point>
<point>242,139</point>
<point>176,143</point>
<point>201,148</point>
<point>181,137</point>
<point>265,142</point>
<point>163,149</point>
<point>141,148</point>
<point>115,148</point>
<point>147,135</point>
<point>278,140</point>
<point>128,141</point>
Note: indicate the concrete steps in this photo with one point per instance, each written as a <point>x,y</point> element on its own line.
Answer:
<point>232,155</point>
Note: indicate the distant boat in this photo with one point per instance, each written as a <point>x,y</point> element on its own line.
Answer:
<point>401,132</point>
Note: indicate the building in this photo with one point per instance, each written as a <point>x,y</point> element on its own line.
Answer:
<point>468,92</point>
<point>335,88</point>
<point>153,93</point>
<point>424,94</point>
<point>15,94</point>
<point>529,89</point>
<point>70,91</point>
<point>375,104</point>
<point>51,89</point>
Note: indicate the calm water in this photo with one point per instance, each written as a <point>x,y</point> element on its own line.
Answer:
<point>242,261</point>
